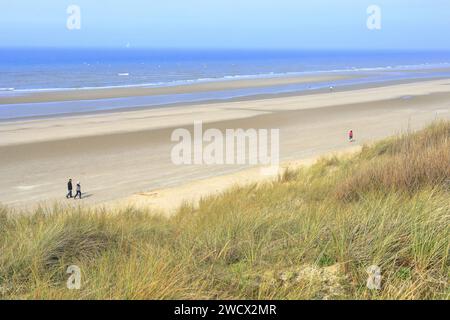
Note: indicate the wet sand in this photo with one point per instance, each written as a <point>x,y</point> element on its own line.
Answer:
<point>136,91</point>
<point>125,155</point>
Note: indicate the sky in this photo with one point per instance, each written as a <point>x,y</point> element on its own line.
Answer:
<point>232,24</point>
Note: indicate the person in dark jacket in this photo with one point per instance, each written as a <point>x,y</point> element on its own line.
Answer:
<point>69,187</point>
<point>78,194</point>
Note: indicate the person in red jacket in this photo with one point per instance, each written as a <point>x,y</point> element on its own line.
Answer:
<point>350,135</point>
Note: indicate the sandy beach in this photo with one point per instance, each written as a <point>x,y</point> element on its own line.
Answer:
<point>126,155</point>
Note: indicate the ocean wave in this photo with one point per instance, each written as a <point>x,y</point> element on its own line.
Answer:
<point>233,78</point>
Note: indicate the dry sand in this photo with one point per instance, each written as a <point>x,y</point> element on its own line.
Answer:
<point>167,201</point>
<point>125,155</point>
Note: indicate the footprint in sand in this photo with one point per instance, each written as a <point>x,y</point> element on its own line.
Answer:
<point>154,194</point>
<point>25,188</point>
<point>29,187</point>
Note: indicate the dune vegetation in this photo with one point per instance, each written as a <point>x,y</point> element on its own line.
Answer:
<point>312,234</point>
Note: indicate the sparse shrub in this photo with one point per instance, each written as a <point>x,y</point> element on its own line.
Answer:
<point>287,175</point>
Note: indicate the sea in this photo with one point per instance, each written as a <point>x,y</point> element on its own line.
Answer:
<point>24,71</point>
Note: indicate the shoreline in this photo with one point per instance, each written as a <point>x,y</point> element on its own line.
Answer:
<point>268,96</point>
<point>53,104</point>
<point>137,91</point>
<point>210,84</point>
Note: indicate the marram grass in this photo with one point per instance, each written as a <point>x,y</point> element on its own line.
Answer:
<point>310,235</point>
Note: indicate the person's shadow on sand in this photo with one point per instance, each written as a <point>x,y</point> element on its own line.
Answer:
<point>84,196</point>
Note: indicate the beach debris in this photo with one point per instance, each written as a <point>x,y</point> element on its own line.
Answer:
<point>374,279</point>
<point>327,282</point>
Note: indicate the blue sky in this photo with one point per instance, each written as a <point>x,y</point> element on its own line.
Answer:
<point>250,24</point>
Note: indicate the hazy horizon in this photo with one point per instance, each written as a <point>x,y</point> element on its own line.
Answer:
<point>409,25</point>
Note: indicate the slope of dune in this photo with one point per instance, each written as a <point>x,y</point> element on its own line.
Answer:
<point>314,233</point>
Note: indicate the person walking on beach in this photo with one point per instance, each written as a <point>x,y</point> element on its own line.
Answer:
<point>350,136</point>
<point>69,188</point>
<point>78,194</point>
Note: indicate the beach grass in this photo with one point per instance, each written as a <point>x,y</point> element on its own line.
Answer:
<point>311,234</point>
